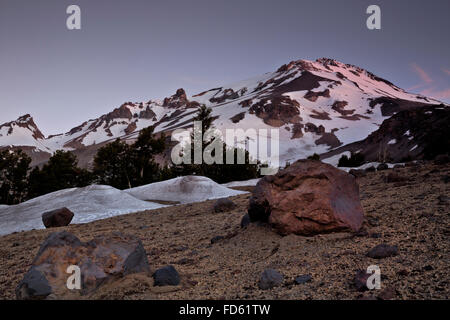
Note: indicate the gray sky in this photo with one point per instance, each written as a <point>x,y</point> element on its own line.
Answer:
<point>136,50</point>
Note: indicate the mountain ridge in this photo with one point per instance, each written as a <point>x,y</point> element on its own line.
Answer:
<point>317,106</point>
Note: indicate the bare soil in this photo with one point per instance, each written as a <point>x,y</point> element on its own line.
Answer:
<point>406,214</point>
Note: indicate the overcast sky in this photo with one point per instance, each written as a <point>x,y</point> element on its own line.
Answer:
<point>137,50</point>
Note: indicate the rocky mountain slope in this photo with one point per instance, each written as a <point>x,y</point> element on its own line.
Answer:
<point>418,133</point>
<point>317,106</point>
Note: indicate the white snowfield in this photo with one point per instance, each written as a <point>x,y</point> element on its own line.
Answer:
<point>246,183</point>
<point>370,164</point>
<point>98,202</point>
<point>186,189</point>
<point>90,203</point>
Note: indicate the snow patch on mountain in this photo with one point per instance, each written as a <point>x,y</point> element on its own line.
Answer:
<point>88,204</point>
<point>186,189</point>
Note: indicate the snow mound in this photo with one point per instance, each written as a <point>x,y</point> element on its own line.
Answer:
<point>246,183</point>
<point>90,203</point>
<point>368,165</point>
<point>186,189</point>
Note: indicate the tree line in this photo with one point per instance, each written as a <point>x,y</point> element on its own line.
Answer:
<point>118,164</point>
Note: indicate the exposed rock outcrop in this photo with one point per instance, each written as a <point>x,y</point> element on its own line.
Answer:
<point>105,258</point>
<point>306,198</point>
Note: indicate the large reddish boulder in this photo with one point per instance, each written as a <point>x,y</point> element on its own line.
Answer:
<point>57,218</point>
<point>104,259</point>
<point>307,198</point>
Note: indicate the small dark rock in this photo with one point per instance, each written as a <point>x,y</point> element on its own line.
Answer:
<point>57,218</point>
<point>303,279</point>
<point>360,280</point>
<point>184,261</point>
<point>382,166</point>
<point>34,286</point>
<point>217,239</point>
<point>373,221</point>
<point>245,221</point>
<point>444,200</point>
<point>361,233</point>
<point>224,205</point>
<point>403,272</point>
<point>166,276</point>
<point>387,294</point>
<point>270,278</point>
<point>375,235</point>
<point>394,177</point>
<point>442,159</point>
<point>382,251</point>
<point>357,173</point>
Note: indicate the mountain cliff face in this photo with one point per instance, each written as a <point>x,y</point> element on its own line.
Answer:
<point>418,133</point>
<point>317,106</point>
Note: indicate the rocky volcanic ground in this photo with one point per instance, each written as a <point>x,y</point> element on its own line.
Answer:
<point>413,215</point>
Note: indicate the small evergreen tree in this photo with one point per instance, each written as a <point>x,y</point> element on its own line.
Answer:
<point>143,152</point>
<point>355,160</point>
<point>113,165</point>
<point>60,172</point>
<point>315,156</point>
<point>219,172</point>
<point>125,166</point>
<point>14,166</point>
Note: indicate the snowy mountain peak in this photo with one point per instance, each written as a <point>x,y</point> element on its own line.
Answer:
<point>22,131</point>
<point>317,106</point>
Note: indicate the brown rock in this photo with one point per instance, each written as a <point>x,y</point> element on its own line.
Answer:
<point>224,205</point>
<point>395,177</point>
<point>382,251</point>
<point>360,280</point>
<point>357,173</point>
<point>388,293</point>
<point>101,260</point>
<point>57,218</point>
<point>306,198</point>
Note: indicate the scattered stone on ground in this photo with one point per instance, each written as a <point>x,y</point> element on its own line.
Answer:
<point>217,239</point>
<point>395,177</point>
<point>360,280</point>
<point>358,173</point>
<point>224,205</point>
<point>269,279</point>
<point>408,216</point>
<point>382,251</point>
<point>303,279</point>
<point>166,276</point>
<point>245,221</point>
<point>444,200</point>
<point>57,218</point>
<point>103,259</point>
